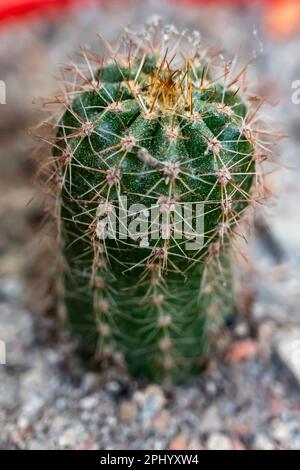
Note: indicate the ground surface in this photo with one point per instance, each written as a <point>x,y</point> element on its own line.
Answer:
<point>250,396</point>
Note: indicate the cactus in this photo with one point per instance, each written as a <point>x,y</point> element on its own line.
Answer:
<point>140,135</point>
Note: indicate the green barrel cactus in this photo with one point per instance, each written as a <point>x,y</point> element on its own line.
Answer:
<point>155,168</point>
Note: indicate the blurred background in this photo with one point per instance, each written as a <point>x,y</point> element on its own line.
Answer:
<point>249,398</point>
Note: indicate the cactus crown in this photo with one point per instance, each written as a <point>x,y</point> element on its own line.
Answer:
<point>151,131</point>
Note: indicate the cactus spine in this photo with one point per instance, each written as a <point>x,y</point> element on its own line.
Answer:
<point>142,133</point>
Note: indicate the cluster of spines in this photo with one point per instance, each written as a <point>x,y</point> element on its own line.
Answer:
<point>170,93</point>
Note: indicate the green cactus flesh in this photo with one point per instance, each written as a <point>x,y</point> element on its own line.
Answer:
<point>161,138</point>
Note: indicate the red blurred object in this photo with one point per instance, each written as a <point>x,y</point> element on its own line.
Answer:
<point>281,19</point>
<point>13,9</point>
<point>282,16</point>
<point>227,2</point>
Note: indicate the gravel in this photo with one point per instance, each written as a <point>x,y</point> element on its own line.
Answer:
<point>287,346</point>
<point>49,401</point>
